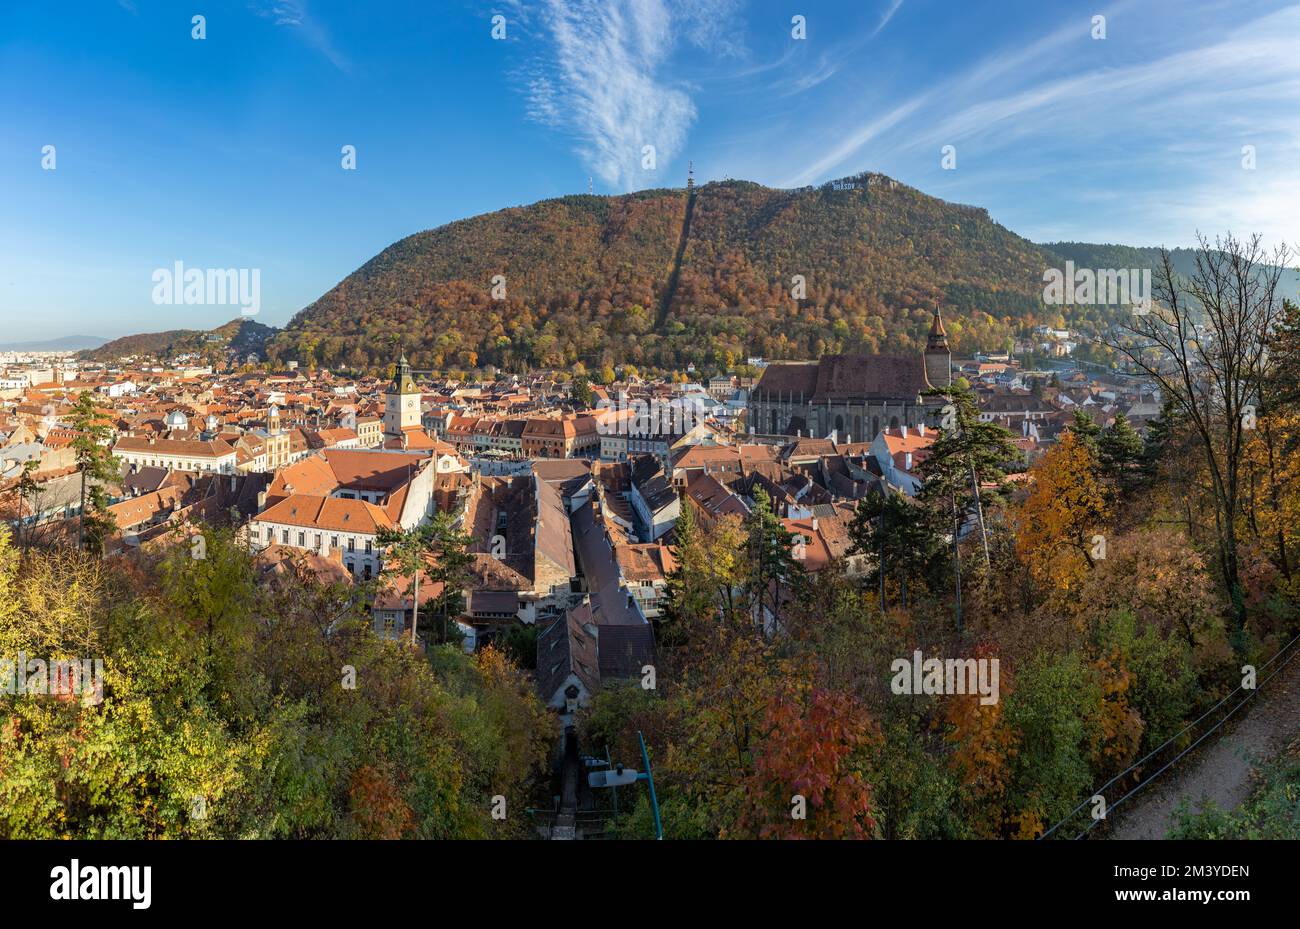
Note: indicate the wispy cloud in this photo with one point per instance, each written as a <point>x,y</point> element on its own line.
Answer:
<point>889,14</point>
<point>851,141</point>
<point>605,78</point>
<point>294,14</point>
<point>840,153</point>
<point>1136,138</point>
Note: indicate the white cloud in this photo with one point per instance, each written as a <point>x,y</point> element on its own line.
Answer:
<point>603,79</point>
<point>1135,147</point>
<point>296,15</point>
<point>850,145</point>
<point>889,14</point>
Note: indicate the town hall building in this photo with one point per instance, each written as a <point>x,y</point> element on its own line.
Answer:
<point>853,397</point>
<point>402,413</point>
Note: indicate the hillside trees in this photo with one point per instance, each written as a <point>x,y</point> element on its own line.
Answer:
<point>1059,523</point>
<point>300,724</point>
<point>1205,342</point>
<point>585,275</point>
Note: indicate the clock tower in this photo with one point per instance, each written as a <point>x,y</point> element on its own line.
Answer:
<point>401,402</point>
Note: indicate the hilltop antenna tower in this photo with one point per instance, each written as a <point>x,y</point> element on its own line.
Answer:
<point>690,175</point>
<point>590,186</point>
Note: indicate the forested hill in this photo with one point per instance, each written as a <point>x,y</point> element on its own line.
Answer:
<point>586,279</point>
<point>240,337</point>
<point>1088,255</point>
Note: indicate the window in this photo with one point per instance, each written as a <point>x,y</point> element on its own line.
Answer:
<point>318,538</point>
<point>352,545</point>
<point>334,541</point>
<point>284,536</point>
<point>302,539</point>
<point>368,547</point>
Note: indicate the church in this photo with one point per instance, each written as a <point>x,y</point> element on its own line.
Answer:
<point>852,396</point>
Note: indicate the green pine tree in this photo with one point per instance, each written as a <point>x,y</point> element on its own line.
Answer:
<point>97,468</point>
<point>1119,449</point>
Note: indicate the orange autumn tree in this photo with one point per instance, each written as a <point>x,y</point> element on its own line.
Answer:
<point>809,752</point>
<point>1118,733</point>
<point>1057,524</point>
<point>378,810</point>
<point>1272,511</point>
<point>983,745</point>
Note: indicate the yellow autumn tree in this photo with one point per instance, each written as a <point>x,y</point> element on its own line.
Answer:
<point>982,748</point>
<point>1060,526</point>
<point>1272,511</point>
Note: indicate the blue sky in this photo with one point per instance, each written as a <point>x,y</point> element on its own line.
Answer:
<point>225,152</point>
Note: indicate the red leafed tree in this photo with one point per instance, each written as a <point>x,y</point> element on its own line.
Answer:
<point>378,810</point>
<point>809,751</point>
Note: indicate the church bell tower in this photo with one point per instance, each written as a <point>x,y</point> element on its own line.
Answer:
<point>938,360</point>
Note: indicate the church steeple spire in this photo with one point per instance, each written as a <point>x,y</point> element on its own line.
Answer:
<point>938,338</point>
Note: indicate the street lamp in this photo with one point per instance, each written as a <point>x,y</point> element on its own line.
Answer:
<point>618,776</point>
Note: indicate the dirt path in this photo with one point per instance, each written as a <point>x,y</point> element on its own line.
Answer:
<point>1220,768</point>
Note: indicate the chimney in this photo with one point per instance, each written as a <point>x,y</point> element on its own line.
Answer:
<point>907,461</point>
<point>814,524</point>
<point>902,430</point>
<point>920,430</point>
<point>261,500</point>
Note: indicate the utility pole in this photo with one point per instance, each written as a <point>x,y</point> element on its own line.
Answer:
<point>650,780</point>
<point>81,515</point>
<point>415,599</point>
<point>956,554</point>
<point>979,510</point>
<point>884,496</point>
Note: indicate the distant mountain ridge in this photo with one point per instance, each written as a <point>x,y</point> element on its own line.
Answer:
<point>67,343</point>
<point>1090,255</point>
